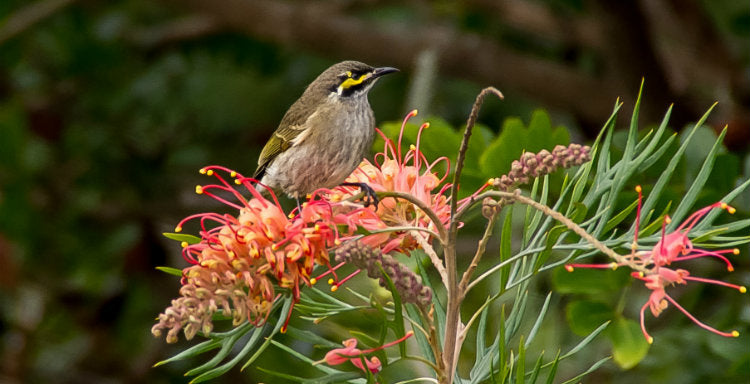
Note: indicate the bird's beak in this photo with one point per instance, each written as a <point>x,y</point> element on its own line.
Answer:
<point>383,71</point>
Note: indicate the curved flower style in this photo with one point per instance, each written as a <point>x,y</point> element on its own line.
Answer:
<point>673,246</point>
<point>237,262</point>
<point>407,172</point>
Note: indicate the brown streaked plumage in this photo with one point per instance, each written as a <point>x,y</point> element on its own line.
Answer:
<point>325,134</point>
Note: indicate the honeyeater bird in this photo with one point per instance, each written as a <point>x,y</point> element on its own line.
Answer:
<point>324,135</point>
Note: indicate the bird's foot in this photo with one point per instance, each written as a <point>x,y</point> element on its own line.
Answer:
<point>370,196</point>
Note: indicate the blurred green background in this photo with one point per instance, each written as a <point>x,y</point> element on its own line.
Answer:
<point>108,109</point>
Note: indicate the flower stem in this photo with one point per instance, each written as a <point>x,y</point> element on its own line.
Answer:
<point>453,315</point>
<point>481,247</point>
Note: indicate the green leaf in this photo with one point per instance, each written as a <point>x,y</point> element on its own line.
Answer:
<point>593,368</point>
<point>618,218</point>
<point>397,324</point>
<point>521,362</point>
<point>502,338</point>
<point>505,247</point>
<point>629,346</point>
<point>666,175</point>
<point>554,235</point>
<point>195,350</point>
<point>589,281</point>
<point>515,139</point>
<point>537,368</point>
<point>585,315</point>
<point>698,182</point>
<point>539,319</point>
<point>182,237</point>
<point>171,271</point>
<point>249,345</point>
<point>553,369</point>
<point>311,338</point>
<point>583,343</point>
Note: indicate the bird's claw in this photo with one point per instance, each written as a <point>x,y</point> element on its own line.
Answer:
<point>370,196</point>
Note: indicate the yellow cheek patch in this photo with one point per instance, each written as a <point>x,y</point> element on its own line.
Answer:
<point>350,82</point>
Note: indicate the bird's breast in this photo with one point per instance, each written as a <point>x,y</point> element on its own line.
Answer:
<point>336,139</point>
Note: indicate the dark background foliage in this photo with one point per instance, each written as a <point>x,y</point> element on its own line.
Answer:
<point>107,110</point>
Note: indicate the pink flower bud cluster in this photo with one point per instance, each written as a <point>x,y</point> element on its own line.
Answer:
<point>408,284</point>
<point>532,165</point>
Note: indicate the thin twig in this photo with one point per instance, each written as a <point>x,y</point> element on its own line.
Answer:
<point>481,247</point>
<point>570,224</point>
<point>436,262</point>
<point>453,323</point>
<point>434,342</point>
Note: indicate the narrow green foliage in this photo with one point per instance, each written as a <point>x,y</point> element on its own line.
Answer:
<point>537,368</point>
<point>249,346</point>
<point>553,369</point>
<point>538,323</point>
<point>529,216</point>
<point>521,365</point>
<point>505,244</point>
<point>552,237</point>
<point>171,271</point>
<point>397,324</point>
<point>666,175</point>
<point>698,182</point>
<point>501,346</point>
<point>711,216</point>
<point>618,218</point>
<point>190,239</point>
<point>593,368</point>
<point>585,341</point>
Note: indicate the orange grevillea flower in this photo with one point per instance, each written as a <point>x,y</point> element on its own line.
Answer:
<point>351,353</point>
<point>397,169</point>
<point>674,246</point>
<point>241,257</point>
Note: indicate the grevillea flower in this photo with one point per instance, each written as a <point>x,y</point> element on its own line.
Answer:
<point>656,274</point>
<point>241,257</point>
<point>350,352</point>
<point>396,170</point>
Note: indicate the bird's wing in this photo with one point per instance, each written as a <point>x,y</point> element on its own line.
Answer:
<point>279,142</point>
<point>292,125</point>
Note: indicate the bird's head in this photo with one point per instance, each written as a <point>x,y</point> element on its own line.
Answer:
<point>350,79</point>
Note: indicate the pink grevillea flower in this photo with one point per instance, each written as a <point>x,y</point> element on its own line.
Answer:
<point>241,257</point>
<point>350,352</point>
<point>398,170</point>
<point>656,274</point>
<point>658,280</point>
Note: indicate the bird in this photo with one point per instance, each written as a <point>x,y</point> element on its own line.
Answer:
<point>324,135</point>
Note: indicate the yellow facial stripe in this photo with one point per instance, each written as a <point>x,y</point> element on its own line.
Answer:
<point>352,82</point>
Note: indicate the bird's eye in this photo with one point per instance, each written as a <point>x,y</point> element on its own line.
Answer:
<point>349,74</point>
